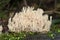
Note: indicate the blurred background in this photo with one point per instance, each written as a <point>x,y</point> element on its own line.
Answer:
<point>8,8</point>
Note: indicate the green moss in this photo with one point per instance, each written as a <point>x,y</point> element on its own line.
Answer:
<point>12,36</point>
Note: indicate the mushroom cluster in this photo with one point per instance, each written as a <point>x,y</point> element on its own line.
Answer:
<point>30,20</point>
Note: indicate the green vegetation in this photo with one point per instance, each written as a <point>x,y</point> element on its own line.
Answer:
<point>15,36</point>
<point>12,36</point>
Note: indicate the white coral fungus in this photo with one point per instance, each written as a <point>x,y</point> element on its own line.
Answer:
<point>1,29</point>
<point>30,20</point>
